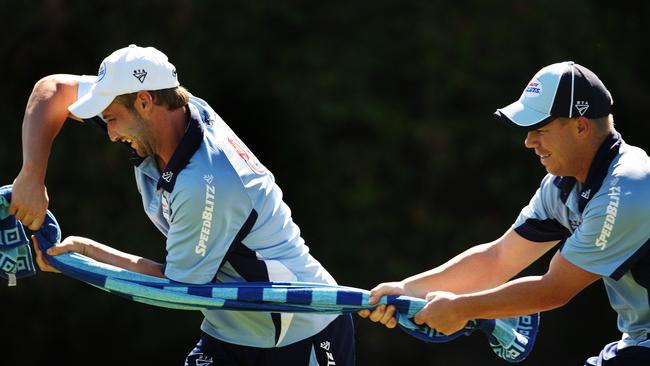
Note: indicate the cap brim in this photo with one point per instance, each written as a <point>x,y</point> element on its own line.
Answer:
<point>521,116</point>
<point>90,105</point>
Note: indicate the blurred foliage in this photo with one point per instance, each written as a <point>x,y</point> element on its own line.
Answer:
<point>375,118</point>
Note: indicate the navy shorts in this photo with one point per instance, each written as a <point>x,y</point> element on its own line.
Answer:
<point>629,356</point>
<point>334,345</point>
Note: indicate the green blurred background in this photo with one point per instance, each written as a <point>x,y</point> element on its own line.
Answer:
<point>376,119</point>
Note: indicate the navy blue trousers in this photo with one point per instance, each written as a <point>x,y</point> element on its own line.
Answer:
<point>629,356</point>
<point>333,346</point>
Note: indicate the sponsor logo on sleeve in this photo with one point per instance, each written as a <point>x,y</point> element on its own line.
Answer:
<point>246,155</point>
<point>206,217</point>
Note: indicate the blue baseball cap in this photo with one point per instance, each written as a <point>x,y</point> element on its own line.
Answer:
<point>564,89</point>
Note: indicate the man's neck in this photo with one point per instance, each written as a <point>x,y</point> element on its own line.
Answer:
<point>170,132</point>
<point>589,156</point>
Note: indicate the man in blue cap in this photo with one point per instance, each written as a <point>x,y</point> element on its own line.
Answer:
<point>594,204</point>
<point>219,207</point>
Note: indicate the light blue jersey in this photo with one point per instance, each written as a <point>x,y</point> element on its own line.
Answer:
<point>604,226</point>
<point>224,220</point>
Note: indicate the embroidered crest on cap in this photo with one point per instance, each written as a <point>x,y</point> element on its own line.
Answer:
<point>582,107</point>
<point>140,74</point>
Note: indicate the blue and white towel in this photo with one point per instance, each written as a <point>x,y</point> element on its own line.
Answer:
<point>15,255</point>
<point>511,339</point>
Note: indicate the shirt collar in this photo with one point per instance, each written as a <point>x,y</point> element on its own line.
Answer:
<point>186,148</point>
<point>597,172</point>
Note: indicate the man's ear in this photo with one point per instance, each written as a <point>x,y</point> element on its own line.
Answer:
<point>583,126</point>
<point>143,102</point>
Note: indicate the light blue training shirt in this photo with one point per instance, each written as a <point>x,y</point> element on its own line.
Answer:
<point>225,221</point>
<point>604,226</point>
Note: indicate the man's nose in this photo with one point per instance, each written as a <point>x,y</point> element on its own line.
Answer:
<point>530,140</point>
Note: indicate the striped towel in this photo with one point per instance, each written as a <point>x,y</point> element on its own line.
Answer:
<point>511,339</point>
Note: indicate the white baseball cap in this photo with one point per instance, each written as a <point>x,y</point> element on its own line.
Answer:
<point>564,89</point>
<point>127,70</point>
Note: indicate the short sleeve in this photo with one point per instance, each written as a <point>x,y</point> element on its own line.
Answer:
<point>614,232</point>
<point>205,218</point>
<point>536,222</point>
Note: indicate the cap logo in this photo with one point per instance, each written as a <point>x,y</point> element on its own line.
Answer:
<point>102,72</point>
<point>140,74</point>
<point>174,73</point>
<point>582,107</point>
<point>534,89</point>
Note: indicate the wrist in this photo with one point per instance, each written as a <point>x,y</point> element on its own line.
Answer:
<point>80,245</point>
<point>409,290</point>
<point>33,171</point>
<point>465,308</point>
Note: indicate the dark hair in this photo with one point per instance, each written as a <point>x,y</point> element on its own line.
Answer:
<point>173,98</point>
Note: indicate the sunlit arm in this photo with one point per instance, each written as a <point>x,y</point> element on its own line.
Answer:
<point>480,267</point>
<point>528,294</point>
<point>101,253</point>
<point>46,111</point>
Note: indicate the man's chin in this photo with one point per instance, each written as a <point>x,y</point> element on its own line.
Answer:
<point>555,172</point>
<point>140,153</point>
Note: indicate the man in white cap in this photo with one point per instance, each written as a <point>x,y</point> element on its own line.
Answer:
<point>218,206</point>
<point>594,204</point>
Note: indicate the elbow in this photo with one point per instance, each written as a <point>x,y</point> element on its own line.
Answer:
<point>55,84</point>
<point>52,95</point>
<point>48,83</point>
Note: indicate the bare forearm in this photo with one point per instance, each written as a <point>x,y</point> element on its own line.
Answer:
<point>105,254</point>
<point>470,271</point>
<point>525,295</point>
<point>529,294</point>
<point>481,267</point>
